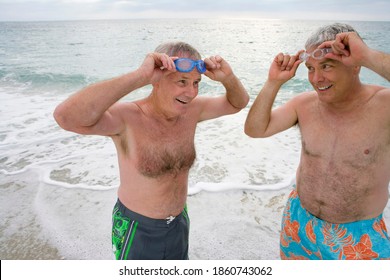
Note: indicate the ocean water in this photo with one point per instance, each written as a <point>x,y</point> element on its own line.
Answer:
<point>57,189</point>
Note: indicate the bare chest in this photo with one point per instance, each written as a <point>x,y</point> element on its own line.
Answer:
<point>162,151</point>
<point>358,142</point>
<point>161,157</point>
<point>344,167</point>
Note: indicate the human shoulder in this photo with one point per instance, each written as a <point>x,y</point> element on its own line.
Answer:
<point>127,112</point>
<point>379,101</point>
<point>306,95</point>
<point>382,95</point>
<point>298,103</point>
<point>304,99</point>
<point>125,108</point>
<point>383,91</point>
<point>379,93</point>
<point>121,105</point>
<point>199,103</point>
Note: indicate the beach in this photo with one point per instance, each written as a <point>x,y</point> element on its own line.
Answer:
<point>58,189</point>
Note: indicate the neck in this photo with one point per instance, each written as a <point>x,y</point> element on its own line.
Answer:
<point>354,100</point>
<point>158,111</point>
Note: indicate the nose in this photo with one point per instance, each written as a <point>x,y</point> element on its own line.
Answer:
<point>192,91</point>
<point>317,76</point>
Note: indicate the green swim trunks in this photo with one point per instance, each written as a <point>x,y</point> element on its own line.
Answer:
<point>304,236</point>
<point>136,237</point>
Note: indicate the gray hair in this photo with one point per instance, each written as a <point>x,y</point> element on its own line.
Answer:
<point>178,49</point>
<point>327,33</point>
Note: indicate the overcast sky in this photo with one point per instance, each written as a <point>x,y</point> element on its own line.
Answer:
<point>26,10</point>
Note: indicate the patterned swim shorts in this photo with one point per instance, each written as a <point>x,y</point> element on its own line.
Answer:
<point>137,237</point>
<point>304,236</point>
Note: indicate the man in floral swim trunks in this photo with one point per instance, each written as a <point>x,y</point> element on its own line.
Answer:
<point>342,182</point>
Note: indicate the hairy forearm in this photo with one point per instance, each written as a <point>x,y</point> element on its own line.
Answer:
<point>235,92</point>
<point>259,115</point>
<point>379,62</point>
<point>86,107</point>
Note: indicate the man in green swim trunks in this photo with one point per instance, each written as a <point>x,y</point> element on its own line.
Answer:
<point>154,138</point>
<point>342,182</point>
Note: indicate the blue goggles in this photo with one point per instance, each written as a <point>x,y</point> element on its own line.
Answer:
<point>186,65</point>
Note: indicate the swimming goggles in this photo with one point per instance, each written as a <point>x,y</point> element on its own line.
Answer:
<point>186,65</point>
<point>317,54</point>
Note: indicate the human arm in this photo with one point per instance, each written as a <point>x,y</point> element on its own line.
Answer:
<point>262,121</point>
<point>236,97</point>
<point>350,49</point>
<point>92,110</point>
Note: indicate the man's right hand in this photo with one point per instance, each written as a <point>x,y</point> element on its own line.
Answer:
<point>154,66</point>
<point>284,67</point>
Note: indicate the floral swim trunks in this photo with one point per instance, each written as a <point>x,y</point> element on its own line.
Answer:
<point>304,236</point>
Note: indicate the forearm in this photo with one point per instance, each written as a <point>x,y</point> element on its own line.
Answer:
<point>235,92</point>
<point>259,115</point>
<point>378,62</point>
<point>87,106</point>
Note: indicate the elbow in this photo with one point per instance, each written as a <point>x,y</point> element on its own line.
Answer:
<point>244,102</point>
<point>67,120</point>
<point>238,101</point>
<point>59,116</point>
<point>252,132</point>
<point>249,131</point>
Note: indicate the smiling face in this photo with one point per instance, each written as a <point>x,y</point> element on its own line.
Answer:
<point>182,88</point>
<point>175,92</point>
<point>331,79</point>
